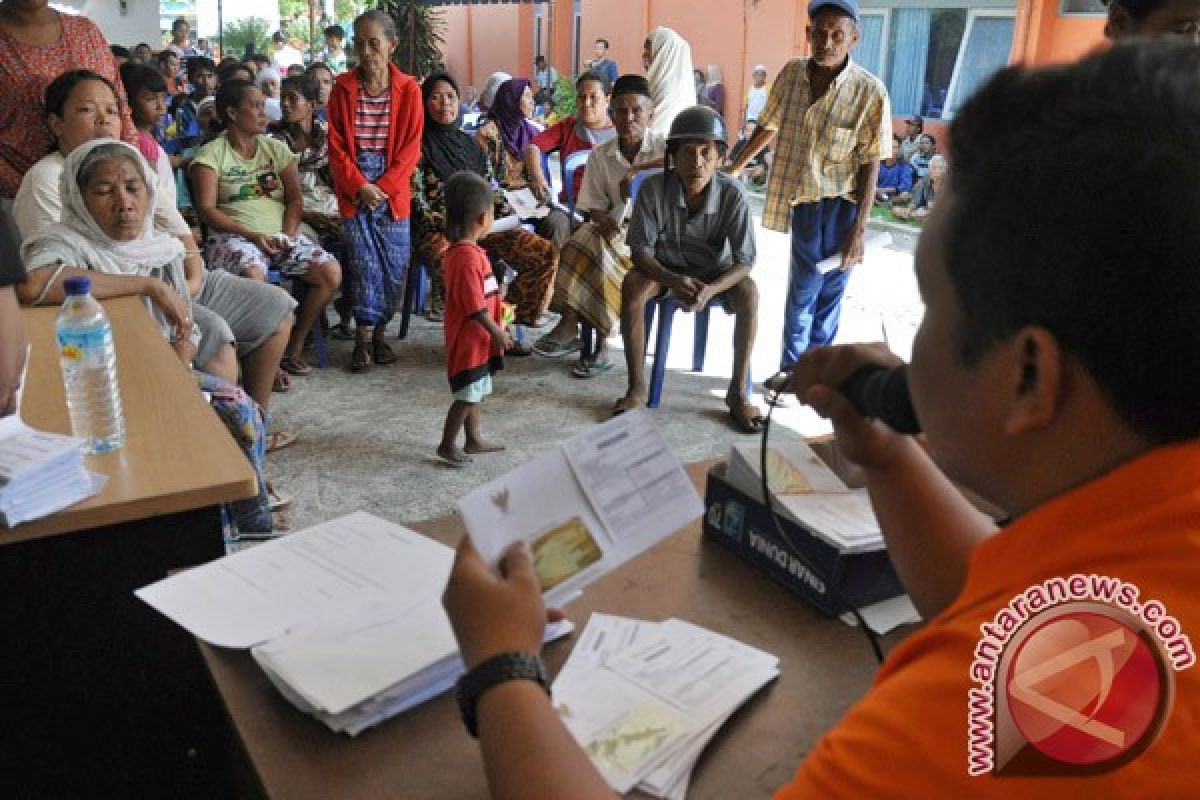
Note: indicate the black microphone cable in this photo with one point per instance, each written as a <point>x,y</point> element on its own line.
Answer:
<point>838,600</point>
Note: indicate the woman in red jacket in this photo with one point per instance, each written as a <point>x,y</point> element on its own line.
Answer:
<point>375,124</point>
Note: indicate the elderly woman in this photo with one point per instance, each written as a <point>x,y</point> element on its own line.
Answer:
<point>307,135</point>
<point>445,150</point>
<point>267,81</point>
<point>82,106</point>
<point>375,125</point>
<point>107,233</point>
<point>667,58</point>
<point>37,44</point>
<point>246,189</point>
<point>490,87</point>
<point>926,191</point>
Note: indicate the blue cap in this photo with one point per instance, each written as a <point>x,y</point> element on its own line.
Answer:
<point>80,284</point>
<point>847,7</point>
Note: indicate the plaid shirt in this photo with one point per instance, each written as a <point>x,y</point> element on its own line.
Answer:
<point>821,145</point>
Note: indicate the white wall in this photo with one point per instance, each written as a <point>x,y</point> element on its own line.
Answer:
<point>139,22</point>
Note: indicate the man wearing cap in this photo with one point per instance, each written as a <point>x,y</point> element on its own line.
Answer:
<point>691,234</point>
<point>832,122</point>
<point>913,128</point>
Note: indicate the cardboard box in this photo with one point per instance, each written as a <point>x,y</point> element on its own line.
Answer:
<point>742,524</point>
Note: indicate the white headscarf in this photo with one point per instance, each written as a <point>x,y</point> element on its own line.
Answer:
<point>671,79</point>
<point>80,241</point>
<point>488,95</point>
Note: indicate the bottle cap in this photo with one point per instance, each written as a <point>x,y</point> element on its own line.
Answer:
<point>78,285</point>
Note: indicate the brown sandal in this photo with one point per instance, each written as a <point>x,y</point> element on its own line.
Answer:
<point>360,359</point>
<point>382,353</point>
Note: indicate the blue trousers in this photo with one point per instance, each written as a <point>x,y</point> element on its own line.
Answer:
<point>814,301</point>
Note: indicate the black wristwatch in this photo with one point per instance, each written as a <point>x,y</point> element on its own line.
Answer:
<point>510,666</point>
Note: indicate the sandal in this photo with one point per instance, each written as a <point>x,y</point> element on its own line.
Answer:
<point>282,382</point>
<point>275,500</point>
<point>294,366</point>
<point>591,368</point>
<point>519,351</point>
<point>277,440</point>
<point>747,418</point>
<point>554,348</point>
<point>381,353</point>
<point>627,403</point>
<point>360,359</point>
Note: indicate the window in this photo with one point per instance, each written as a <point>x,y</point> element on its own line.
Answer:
<point>933,58</point>
<point>1075,7</point>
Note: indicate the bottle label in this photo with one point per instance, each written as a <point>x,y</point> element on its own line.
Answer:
<point>86,349</point>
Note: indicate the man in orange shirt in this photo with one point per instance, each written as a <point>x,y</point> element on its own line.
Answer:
<point>1054,374</point>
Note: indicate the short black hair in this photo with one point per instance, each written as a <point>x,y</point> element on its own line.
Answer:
<point>177,23</point>
<point>467,196</point>
<point>316,65</point>
<point>164,55</point>
<point>1138,9</point>
<point>335,30</point>
<point>198,64</point>
<point>258,58</point>
<point>54,100</point>
<point>139,77</point>
<point>119,51</point>
<point>230,96</point>
<point>228,68</point>
<point>595,77</point>
<point>303,84</point>
<point>1038,236</point>
<point>631,84</point>
<point>603,41</point>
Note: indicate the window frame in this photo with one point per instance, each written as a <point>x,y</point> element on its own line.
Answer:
<point>886,13</point>
<point>952,100</point>
<point>1063,11</point>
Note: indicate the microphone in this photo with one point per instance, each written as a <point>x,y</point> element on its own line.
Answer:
<point>876,392</point>
<point>882,394</point>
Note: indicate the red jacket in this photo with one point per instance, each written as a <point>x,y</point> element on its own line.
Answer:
<point>405,125</point>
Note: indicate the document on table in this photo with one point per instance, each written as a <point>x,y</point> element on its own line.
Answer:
<point>357,564</point>
<point>525,205</point>
<point>644,698</point>
<point>601,498</point>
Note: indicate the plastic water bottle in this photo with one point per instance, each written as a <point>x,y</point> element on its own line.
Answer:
<point>89,369</point>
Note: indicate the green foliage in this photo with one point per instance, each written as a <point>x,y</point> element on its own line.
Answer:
<point>420,31</point>
<point>564,96</point>
<point>249,30</point>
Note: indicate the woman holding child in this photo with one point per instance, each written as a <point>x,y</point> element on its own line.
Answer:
<point>375,123</point>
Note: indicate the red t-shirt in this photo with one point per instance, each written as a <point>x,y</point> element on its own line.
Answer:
<point>471,287</point>
<point>564,137</point>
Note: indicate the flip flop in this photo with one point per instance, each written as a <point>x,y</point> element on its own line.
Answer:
<point>747,418</point>
<point>282,382</point>
<point>626,404</point>
<point>275,500</point>
<point>590,369</point>
<point>382,353</point>
<point>294,366</point>
<point>554,348</point>
<point>277,440</point>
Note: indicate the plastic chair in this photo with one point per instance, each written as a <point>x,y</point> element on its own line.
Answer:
<point>414,294</point>
<point>570,168</point>
<point>586,332</point>
<point>665,308</point>
<point>298,290</point>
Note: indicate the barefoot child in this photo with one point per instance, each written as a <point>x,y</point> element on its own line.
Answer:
<point>475,337</point>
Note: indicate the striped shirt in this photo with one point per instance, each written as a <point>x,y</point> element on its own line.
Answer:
<point>371,122</point>
<point>703,244</point>
<point>820,146</point>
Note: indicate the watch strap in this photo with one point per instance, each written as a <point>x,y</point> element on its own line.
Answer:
<point>514,665</point>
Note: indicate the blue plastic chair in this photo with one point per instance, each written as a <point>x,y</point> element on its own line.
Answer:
<point>298,290</point>
<point>414,294</point>
<point>575,162</point>
<point>665,308</point>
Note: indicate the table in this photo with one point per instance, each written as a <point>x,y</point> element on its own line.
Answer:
<point>99,691</point>
<point>425,753</point>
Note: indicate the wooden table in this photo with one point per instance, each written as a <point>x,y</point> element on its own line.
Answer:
<point>99,692</point>
<point>425,753</point>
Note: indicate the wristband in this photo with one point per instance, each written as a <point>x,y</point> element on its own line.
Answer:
<point>511,666</point>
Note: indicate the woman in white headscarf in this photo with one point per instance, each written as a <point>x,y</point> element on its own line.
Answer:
<point>107,233</point>
<point>667,58</point>
<point>493,84</point>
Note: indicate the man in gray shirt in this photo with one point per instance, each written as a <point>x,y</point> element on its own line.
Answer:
<point>692,235</point>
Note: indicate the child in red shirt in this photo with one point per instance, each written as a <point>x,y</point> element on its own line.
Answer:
<point>475,338</point>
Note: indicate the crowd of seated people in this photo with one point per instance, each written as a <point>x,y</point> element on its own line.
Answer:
<point>262,187</point>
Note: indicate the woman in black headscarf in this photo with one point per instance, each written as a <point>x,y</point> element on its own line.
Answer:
<point>445,150</point>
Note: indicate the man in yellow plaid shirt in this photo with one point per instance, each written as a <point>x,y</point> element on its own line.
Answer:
<point>833,125</point>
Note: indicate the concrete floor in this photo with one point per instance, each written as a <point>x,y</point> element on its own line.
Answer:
<point>367,440</point>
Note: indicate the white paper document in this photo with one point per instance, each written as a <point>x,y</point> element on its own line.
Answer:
<point>644,698</point>
<point>873,240</point>
<point>601,498</point>
<point>525,205</point>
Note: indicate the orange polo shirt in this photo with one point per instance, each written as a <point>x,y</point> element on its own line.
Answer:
<point>908,737</point>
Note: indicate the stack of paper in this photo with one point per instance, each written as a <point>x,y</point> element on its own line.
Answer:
<point>345,618</point>
<point>807,492</point>
<point>644,698</point>
<point>601,498</point>
<point>40,472</point>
